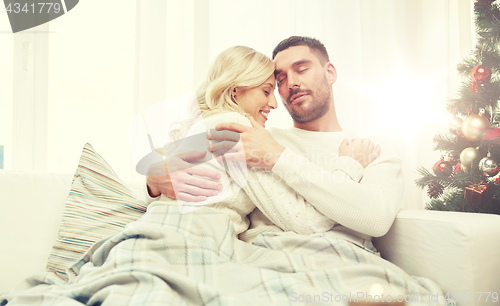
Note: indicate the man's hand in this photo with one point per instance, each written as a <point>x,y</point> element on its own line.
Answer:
<point>362,150</point>
<point>180,173</point>
<point>259,147</point>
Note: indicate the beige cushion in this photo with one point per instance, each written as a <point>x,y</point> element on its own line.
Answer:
<point>99,205</point>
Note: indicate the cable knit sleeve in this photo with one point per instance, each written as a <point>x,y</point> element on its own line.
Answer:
<point>368,207</point>
<point>283,206</point>
<point>276,200</point>
<point>148,199</point>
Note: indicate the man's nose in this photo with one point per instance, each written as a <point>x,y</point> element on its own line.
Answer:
<point>293,82</point>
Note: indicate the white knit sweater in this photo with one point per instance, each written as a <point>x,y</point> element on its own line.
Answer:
<point>365,200</point>
<point>310,189</point>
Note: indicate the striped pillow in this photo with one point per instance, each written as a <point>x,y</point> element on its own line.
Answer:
<point>99,204</point>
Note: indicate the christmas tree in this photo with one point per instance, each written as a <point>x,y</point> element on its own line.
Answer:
<point>467,179</point>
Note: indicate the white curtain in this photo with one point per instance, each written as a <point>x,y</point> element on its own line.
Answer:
<point>395,61</point>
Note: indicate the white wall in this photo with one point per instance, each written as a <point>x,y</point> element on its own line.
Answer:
<point>6,86</point>
<point>91,84</point>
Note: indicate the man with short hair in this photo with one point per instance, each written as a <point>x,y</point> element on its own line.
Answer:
<point>354,183</point>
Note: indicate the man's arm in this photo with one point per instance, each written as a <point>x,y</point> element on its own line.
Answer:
<point>189,180</point>
<point>368,207</point>
<point>263,151</point>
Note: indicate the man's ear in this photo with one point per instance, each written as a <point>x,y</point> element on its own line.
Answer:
<point>331,73</point>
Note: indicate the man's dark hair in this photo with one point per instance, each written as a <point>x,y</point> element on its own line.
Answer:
<point>312,43</point>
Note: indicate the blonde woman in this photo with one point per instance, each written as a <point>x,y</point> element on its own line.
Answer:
<point>239,87</point>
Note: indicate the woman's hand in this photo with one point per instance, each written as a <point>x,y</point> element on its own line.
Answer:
<point>362,150</point>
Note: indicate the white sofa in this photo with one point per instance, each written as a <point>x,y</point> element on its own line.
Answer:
<point>460,251</point>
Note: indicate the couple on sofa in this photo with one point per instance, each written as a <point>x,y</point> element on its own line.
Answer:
<point>331,187</point>
<point>313,194</point>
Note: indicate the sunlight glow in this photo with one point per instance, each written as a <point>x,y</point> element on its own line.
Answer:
<point>406,103</point>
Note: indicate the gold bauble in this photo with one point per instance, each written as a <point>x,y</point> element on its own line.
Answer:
<point>468,158</point>
<point>474,127</point>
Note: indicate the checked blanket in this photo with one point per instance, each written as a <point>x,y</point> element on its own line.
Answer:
<point>168,258</point>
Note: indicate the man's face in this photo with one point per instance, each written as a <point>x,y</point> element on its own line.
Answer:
<point>304,83</point>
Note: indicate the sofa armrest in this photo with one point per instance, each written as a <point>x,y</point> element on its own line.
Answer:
<point>32,205</point>
<point>459,251</point>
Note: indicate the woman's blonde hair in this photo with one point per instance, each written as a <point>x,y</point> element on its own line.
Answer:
<point>236,67</point>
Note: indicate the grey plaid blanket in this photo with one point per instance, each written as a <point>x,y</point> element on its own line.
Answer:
<point>168,258</point>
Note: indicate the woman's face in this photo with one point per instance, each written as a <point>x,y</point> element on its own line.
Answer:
<point>258,101</point>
